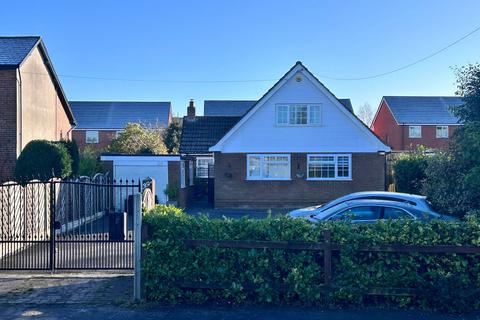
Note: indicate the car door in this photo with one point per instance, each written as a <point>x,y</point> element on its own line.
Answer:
<point>391,213</point>
<point>358,214</point>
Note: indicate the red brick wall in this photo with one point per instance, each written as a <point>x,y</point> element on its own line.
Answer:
<point>104,139</point>
<point>233,190</point>
<point>428,138</point>
<point>386,128</point>
<point>8,123</point>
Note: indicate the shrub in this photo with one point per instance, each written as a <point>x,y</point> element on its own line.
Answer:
<point>89,163</point>
<point>138,139</point>
<point>41,159</point>
<point>448,282</point>
<point>72,149</point>
<point>409,172</point>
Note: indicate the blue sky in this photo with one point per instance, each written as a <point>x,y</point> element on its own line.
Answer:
<point>247,40</point>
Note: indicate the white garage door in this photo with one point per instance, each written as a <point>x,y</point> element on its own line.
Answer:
<point>157,170</point>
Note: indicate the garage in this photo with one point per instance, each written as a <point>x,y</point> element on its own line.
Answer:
<point>128,167</point>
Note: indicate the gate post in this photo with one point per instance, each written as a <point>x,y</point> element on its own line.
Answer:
<point>137,245</point>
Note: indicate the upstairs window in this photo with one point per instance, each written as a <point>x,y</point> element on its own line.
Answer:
<point>298,115</point>
<point>442,132</point>
<point>415,131</point>
<point>91,136</point>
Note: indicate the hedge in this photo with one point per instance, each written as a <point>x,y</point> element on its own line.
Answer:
<point>41,159</point>
<point>74,153</point>
<point>448,282</point>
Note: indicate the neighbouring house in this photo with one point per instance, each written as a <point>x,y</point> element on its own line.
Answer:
<point>99,122</point>
<point>32,102</point>
<point>297,145</point>
<point>404,122</point>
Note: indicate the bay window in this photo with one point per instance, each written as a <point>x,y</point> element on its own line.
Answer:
<point>298,114</point>
<point>329,166</point>
<point>268,167</point>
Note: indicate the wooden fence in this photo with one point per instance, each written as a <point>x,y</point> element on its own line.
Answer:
<point>327,248</point>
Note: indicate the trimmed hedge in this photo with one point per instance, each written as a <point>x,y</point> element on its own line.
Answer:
<point>72,149</point>
<point>41,159</point>
<point>446,281</point>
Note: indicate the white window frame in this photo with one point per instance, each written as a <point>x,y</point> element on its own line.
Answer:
<point>410,131</point>
<point>262,157</point>
<point>293,106</point>
<point>118,133</point>
<point>182,174</point>
<point>190,172</point>
<point>94,132</point>
<point>335,159</point>
<point>444,129</point>
<point>202,167</point>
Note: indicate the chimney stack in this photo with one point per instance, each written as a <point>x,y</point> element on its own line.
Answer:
<point>191,109</point>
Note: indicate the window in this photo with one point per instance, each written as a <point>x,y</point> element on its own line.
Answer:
<point>298,115</point>
<point>268,167</point>
<point>415,131</point>
<point>190,173</point>
<point>203,164</point>
<point>394,213</point>
<point>182,174</point>
<point>91,136</point>
<point>329,166</point>
<point>358,214</point>
<point>442,132</point>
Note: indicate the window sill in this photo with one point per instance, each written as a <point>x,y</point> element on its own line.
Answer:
<point>329,179</point>
<point>260,179</point>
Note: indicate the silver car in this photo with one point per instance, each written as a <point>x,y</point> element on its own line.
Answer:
<point>417,201</point>
<point>370,211</point>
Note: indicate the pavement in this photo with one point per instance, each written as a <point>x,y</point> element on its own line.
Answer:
<point>103,295</point>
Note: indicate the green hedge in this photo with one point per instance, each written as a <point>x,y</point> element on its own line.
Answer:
<point>41,159</point>
<point>74,153</point>
<point>448,282</point>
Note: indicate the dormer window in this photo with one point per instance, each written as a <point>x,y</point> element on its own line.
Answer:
<point>298,114</point>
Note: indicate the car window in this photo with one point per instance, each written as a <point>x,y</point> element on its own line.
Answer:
<point>394,213</point>
<point>413,203</point>
<point>363,213</point>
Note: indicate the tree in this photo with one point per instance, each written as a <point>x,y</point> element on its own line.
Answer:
<point>365,113</point>
<point>41,159</point>
<point>89,163</point>
<point>138,139</point>
<point>171,136</point>
<point>453,177</point>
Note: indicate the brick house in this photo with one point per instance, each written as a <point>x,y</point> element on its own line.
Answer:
<point>403,122</point>
<point>297,145</point>
<point>32,102</point>
<point>99,122</point>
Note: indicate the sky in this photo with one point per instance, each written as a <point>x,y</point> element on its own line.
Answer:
<point>180,50</point>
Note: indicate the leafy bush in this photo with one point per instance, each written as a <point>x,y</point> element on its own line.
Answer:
<point>41,159</point>
<point>89,163</point>
<point>448,282</point>
<point>409,172</point>
<point>72,149</point>
<point>171,191</point>
<point>171,136</point>
<point>138,139</point>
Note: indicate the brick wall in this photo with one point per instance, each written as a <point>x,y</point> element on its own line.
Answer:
<point>104,139</point>
<point>8,123</point>
<point>233,190</point>
<point>429,137</point>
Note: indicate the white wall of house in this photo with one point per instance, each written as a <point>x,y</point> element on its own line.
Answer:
<point>141,167</point>
<point>338,131</point>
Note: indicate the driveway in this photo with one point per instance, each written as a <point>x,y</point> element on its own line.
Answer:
<point>103,295</point>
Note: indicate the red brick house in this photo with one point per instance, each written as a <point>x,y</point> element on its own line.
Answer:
<point>403,122</point>
<point>295,146</point>
<point>32,102</point>
<point>99,122</point>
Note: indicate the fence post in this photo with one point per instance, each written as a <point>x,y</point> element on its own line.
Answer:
<point>137,245</point>
<point>52,224</point>
<point>327,257</point>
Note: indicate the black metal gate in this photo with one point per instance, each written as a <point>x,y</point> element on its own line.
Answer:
<point>81,224</point>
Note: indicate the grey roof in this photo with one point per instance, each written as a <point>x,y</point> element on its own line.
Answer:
<point>201,133</point>
<point>233,108</point>
<point>13,50</point>
<point>423,110</point>
<point>237,108</point>
<point>116,115</point>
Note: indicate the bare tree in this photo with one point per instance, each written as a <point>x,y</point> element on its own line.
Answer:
<point>365,113</point>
